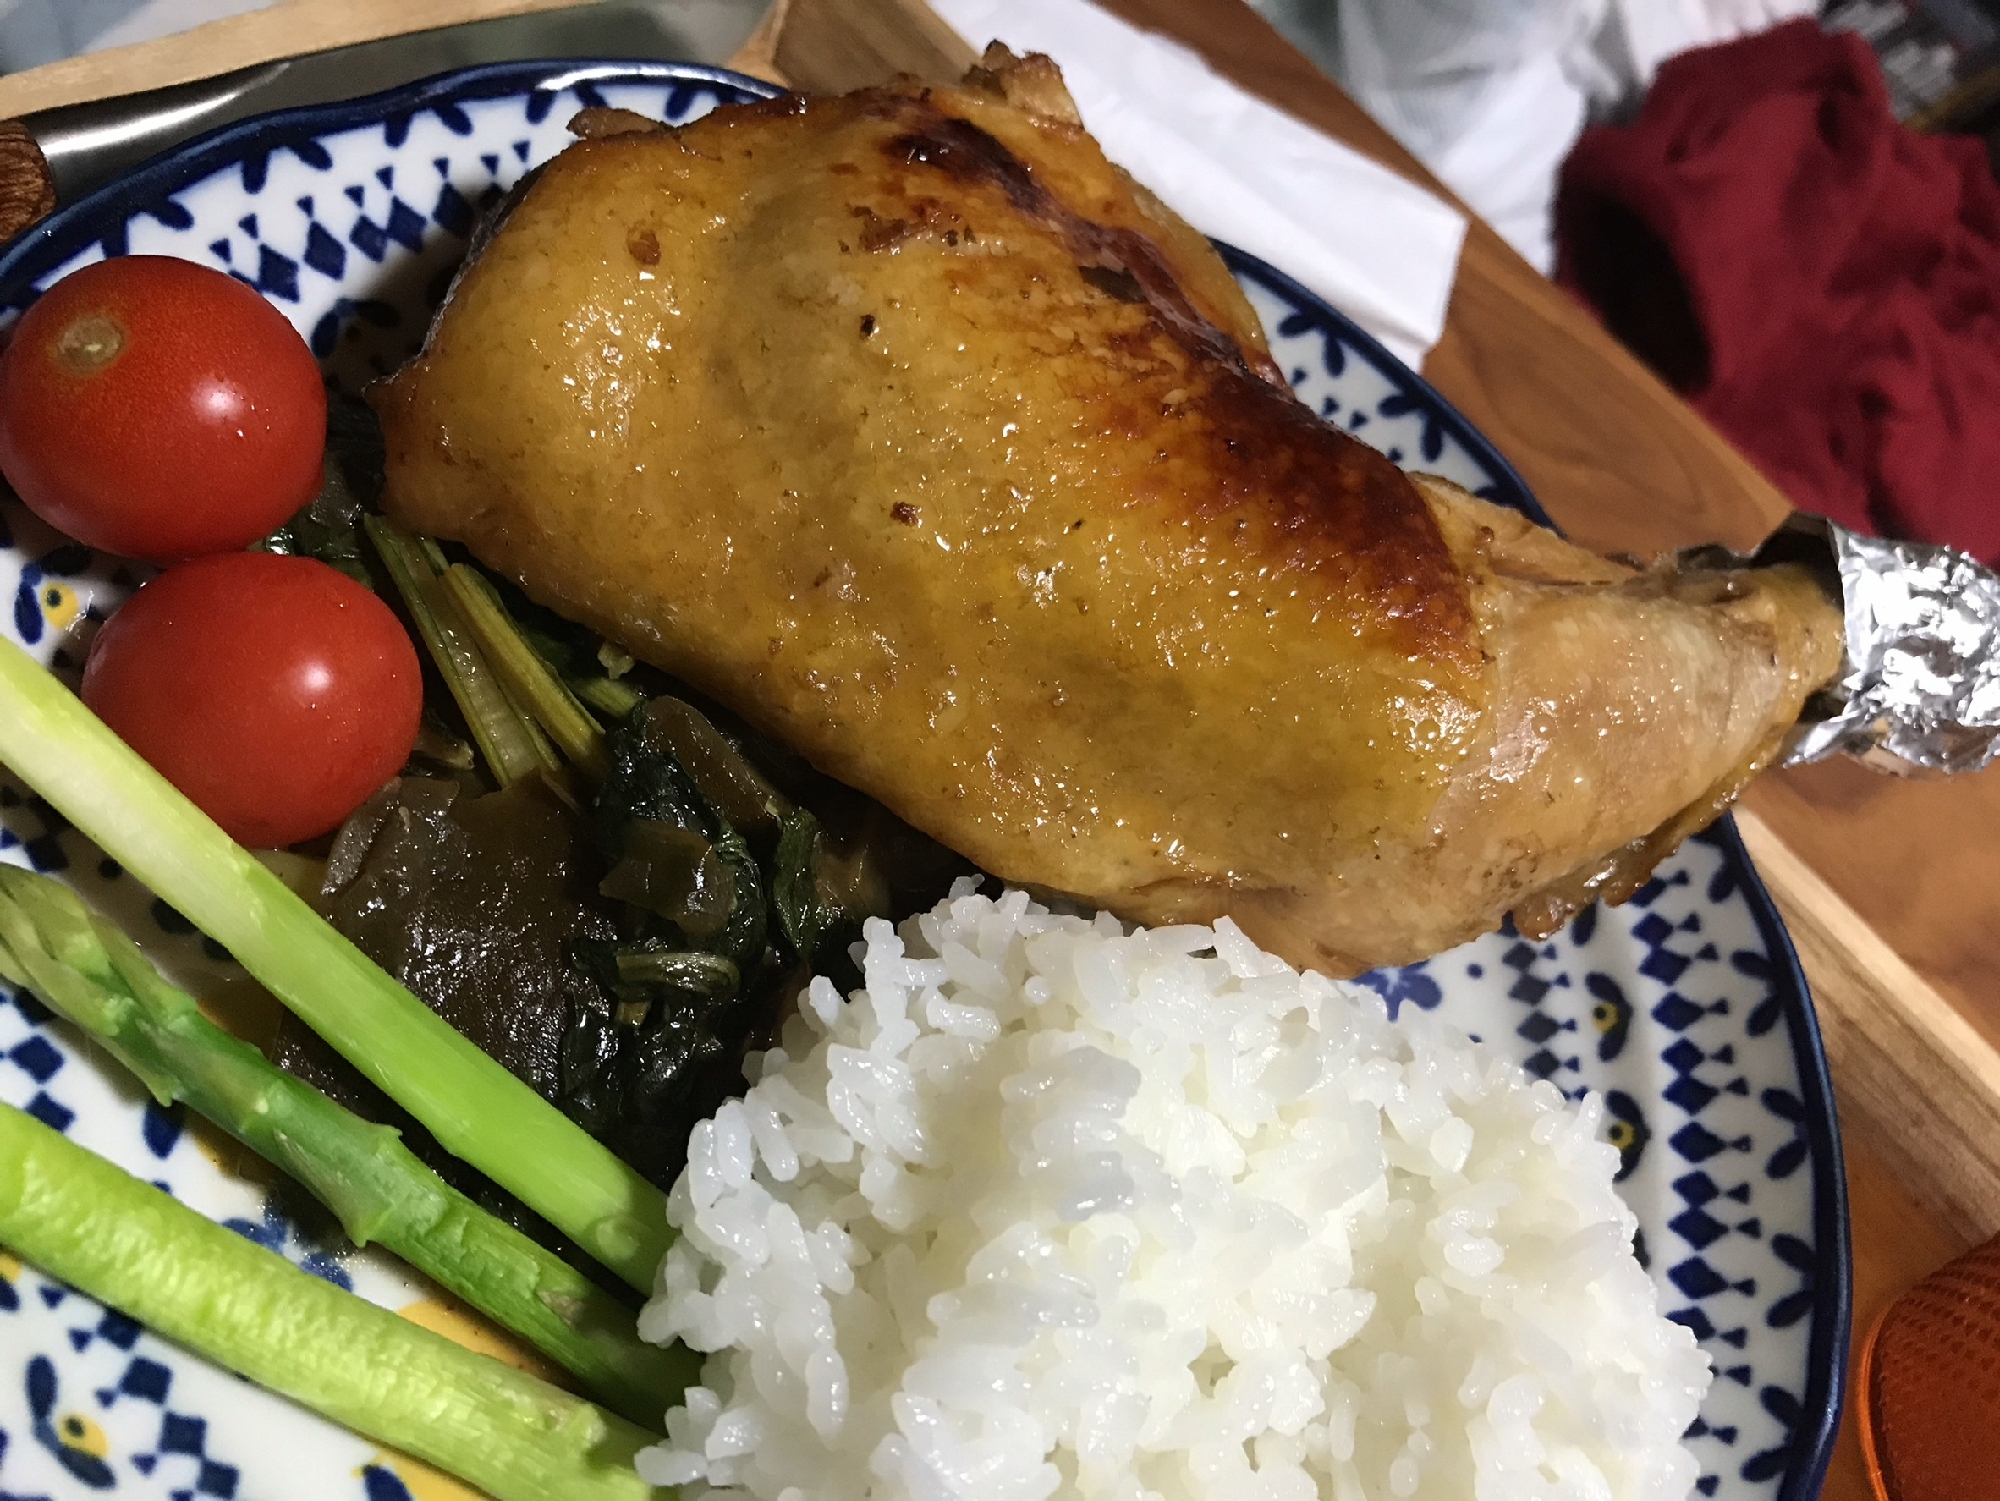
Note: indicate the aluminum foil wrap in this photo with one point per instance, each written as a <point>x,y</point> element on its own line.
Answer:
<point>1919,690</point>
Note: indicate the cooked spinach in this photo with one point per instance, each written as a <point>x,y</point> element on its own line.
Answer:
<point>696,973</point>
<point>329,527</point>
<point>616,929</point>
<point>618,947</point>
<point>649,817</point>
<point>593,669</point>
<point>671,1052</point>
<point>691,978</point>
<point>805,915</point>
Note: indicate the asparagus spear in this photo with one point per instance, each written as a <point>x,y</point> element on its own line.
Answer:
<point>92,974</point>
<point>127,1244</point>
<point>477,1110</point>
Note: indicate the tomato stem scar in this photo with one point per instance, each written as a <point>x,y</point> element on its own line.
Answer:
<point>90,343</point>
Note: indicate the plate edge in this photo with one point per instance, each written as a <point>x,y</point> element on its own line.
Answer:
<point>55,239</point>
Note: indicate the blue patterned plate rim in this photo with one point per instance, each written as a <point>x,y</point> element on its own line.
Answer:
<point>56,238</point>
<point>1511,490</point>
<point>73,228</point>
<point>1833,1297</point>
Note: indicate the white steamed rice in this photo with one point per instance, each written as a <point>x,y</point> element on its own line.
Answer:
<point>1051,1208</point>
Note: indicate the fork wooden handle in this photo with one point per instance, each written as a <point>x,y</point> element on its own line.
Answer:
<point>27,189</point>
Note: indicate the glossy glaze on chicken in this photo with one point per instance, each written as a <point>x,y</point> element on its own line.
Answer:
<point>911,429</point>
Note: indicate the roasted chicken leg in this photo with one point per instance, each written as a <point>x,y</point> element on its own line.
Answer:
<point>911,429</point>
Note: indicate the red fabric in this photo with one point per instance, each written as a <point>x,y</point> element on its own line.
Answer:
<point>1823,284</point>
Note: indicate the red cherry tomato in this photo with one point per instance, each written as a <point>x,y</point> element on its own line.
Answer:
<point>157,409</point>
<point>277,693</point>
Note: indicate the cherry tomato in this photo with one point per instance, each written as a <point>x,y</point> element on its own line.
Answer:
<point>157,409</point>
<point>276,692</point>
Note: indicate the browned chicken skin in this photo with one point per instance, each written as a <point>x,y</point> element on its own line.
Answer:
<point>907,426</point>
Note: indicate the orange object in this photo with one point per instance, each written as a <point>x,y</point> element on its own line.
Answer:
<point>1930,1386</point>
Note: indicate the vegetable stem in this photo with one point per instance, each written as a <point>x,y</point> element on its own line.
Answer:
<point>476,1109</point>
<point>704,974</point>
<point>521,669</point>
<point>609,696</point>
<point>125,1243</point>
<point>94,976</point>
<point>512,743</point>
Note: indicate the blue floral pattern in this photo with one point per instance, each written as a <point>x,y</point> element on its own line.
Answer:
<point>1685,1007</point>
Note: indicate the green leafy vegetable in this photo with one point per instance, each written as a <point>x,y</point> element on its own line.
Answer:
<point>529,680</point>
<point>91,974</point>
<point>609,696</point>
<point>701,974</point>
<point>692,976</point>
<point>475,1108</point>
<point>589,666</point>
<point>329,527</point>
<point>672,1051</point>
<point>817,897</point>
<point>509,739</point>
<point>646,788</point>
<point>804,914</point>
<point>822,893</point>
<point>127,1244</point>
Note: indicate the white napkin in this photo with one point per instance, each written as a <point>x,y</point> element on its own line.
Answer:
<point>1376,246</point>
<point>1491,94</point>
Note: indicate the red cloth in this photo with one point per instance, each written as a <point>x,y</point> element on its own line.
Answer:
<point>1822,284</point>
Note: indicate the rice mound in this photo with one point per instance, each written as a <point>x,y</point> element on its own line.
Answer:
<point>1054,1208</point>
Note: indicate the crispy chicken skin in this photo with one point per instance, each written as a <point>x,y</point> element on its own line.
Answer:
<point>907,426</point>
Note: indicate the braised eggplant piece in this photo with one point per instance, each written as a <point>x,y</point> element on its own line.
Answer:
<point>472,902</point>
<point>619,958</point>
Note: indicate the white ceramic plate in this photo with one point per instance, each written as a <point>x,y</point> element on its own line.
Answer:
<point>1685,1007</point>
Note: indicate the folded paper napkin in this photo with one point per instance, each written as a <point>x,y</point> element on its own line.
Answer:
<point>1376,246</point>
